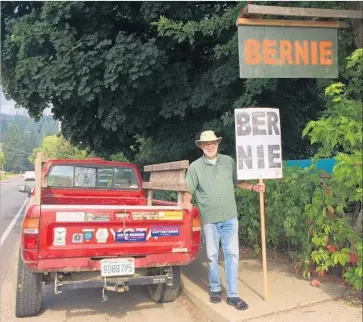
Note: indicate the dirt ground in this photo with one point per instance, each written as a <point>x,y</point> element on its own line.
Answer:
<point>352,298</point>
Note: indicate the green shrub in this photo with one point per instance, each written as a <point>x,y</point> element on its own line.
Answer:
<point>305,211</point>
<point>286,220</point>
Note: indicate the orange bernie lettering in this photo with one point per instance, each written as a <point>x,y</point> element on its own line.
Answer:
<point>302,52</point>
<point>252,52</point>
<point>326,52</point>
<point>269,52</point>
<point>285,52</point>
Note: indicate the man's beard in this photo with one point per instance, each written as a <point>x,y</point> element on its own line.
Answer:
<point>211,155</point>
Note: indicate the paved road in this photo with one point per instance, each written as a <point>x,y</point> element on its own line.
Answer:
<point>77,303</point>
<point>11,202</point>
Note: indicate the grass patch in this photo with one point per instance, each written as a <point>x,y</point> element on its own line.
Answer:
<point>8,175</point>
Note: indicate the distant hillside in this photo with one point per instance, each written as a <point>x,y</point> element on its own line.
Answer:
<point>19,135</point>
<point>45,126</point>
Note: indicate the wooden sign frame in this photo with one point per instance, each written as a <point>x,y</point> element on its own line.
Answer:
<point>166,176</point>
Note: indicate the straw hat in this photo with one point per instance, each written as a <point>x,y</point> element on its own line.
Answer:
<point>207,136</point>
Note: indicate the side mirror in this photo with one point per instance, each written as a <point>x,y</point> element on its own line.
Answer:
<point>24,188</point>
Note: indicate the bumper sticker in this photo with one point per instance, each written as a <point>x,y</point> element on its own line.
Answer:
<point>97,217</point>
<point>59,236</point>
<point>130,236</point>
<point>170,215</point>
<point>164,231</point>
<point>145,215</point>
<point>179,250</point>
<point>77,238</point>
<point>88,235</point>
<point>67,216</point>
<point>102,235</point>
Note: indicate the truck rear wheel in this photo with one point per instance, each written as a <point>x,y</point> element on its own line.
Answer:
<point>28,291</point>
<point>162,293</point>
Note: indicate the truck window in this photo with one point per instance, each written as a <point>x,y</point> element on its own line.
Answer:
<point>105,178</point>
<point>61,176</point>
<point>125,178</point>
<point>92,177</point>
<point>85,177</point>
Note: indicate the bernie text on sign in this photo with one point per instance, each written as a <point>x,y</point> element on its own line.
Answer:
<point>258,124</point>
<point>258,143</point>
<point>286,52</point>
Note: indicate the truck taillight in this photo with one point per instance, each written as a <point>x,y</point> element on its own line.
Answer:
<point>30,241</point>
<point>31,226</point>
<point>196,227</point>
<point>30,229</point>
<point>30,233</point>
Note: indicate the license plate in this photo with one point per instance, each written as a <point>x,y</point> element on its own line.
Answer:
<point>117,267</point>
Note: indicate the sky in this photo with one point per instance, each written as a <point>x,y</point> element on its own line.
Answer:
<point>8,107</point>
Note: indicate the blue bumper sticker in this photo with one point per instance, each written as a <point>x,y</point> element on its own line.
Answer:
<point>88,235</point>
<point>130,236</point>
<point>164,231</point>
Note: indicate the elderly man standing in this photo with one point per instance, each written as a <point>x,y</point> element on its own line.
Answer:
<point>211,180</point>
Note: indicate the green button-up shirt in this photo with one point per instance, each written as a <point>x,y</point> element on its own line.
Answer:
<point>213,188</point>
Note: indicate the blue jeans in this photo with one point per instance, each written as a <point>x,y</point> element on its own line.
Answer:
<point>227,231</point>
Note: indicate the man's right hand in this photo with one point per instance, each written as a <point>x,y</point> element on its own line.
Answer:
<point>187,205</point>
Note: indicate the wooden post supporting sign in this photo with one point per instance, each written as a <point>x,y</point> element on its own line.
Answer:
<point>259,156</point>
<point>263,242</point>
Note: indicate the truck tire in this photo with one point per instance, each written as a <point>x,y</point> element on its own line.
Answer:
<point>162,293</point>
<point>28,291</point>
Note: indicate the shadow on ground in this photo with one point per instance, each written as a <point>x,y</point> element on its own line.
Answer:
<point>82,301</point>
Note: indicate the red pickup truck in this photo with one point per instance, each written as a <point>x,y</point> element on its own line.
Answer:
<point>90,220</point>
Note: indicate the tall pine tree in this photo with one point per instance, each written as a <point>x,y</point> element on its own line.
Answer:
<point>14,150</point>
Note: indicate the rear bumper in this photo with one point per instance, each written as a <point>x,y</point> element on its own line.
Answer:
<point>83,264</point>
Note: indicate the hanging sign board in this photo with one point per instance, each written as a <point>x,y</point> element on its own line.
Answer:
<point>258,143</point>
<point>287,52</point>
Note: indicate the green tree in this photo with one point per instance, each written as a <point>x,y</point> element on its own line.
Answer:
<point>338,133</point>
<point>2,160</point>
<point>118,157</point>
<point>119,74</point>
<point>33,130</point>
<point>14,149</point>
<point>57,147</point>
<point>31,142</point>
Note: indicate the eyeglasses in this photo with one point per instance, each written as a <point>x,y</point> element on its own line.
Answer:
<point>209,143</point>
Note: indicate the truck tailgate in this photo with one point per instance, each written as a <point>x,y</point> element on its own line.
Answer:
<point>100,231</point>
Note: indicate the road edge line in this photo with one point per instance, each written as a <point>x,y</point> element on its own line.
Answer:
<point>12,223</point>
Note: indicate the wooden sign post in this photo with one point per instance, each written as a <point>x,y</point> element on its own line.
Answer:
<point>263,242</point>
<point>259,156</point>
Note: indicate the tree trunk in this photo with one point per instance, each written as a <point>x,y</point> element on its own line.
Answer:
<point>357,24</point>
<point>359,221</point>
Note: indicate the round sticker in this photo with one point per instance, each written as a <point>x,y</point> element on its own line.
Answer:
<point>88,235</point>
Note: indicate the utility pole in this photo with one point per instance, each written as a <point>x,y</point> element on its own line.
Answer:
<point>1,152</point>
